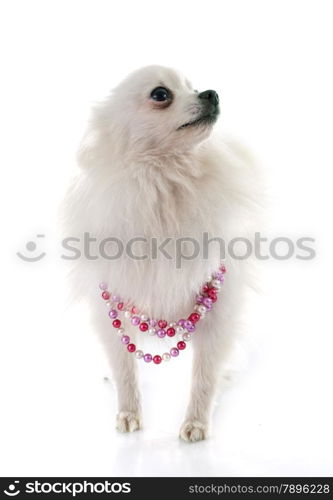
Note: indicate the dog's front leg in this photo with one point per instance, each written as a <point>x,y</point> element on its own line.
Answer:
<point>129,409</point>
<point>210,347</point>
<point>125,376</point>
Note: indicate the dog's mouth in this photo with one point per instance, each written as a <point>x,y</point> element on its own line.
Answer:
<point>208,119</point>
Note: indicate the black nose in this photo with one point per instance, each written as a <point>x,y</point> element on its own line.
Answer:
<point>210,95</point>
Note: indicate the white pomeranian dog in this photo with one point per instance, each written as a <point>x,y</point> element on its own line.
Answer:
<point>160,198</point>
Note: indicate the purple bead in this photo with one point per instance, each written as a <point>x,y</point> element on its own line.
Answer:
<point>207,302</point>
<point>191,328</point>
<point>135,320</point>
<point>115,298</point>
<point>188,324</point>
<point>103,285</point>
<point>174,352</point>
<point>152,322</point>
<point>199,299</point>
<point>218,276</point>
<point>147,357</point>
<point>113,313</point>
<point>161,333</point>
<point>181,322</point>
<point>125,339</point>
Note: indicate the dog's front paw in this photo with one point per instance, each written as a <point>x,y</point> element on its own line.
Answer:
<point>128,421</point>
<point>192,431</point>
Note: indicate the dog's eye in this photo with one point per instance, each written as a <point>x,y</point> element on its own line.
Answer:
<point>160,94</point>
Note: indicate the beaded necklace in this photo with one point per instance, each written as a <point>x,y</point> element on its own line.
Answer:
<point>185,328</point>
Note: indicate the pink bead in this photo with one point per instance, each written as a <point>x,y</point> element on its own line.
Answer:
<point>134,310</point>
<point>125,339</point>
<point>218,276</point>
<point>223,269</point>
<point>181,345</point>
<point>194,317</point>
<point>147,357</point>
<point>162,323</point>
<point>143,327</point>
<point>135,320</point>
<point>103,285</point>
<point>113,314</point>
<point>174,351</point>
<point>120,306</point>
<point>157,359</point>
<point>106,295</point>
<point>205,288</point>
<point>116,323</point>
<point>212,293</point>
<point>171,332</point>
<point>161,333</point>
<point>207,302</point>
<point>131,347</point>
<point>199,299</point>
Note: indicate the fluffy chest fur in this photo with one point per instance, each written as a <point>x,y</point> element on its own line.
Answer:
<point>155,217</point>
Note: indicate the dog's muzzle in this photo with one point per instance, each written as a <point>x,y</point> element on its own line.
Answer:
<point>210,109</point>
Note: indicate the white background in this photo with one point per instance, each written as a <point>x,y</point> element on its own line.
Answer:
<point>271,64</point>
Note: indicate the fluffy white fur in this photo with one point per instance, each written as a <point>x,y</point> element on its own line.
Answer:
<point>140,176</point>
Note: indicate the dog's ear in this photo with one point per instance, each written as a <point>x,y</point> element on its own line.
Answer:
<point>89,147</point>
<point>102,140</point>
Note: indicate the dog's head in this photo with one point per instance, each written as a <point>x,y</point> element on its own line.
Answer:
<point>156,110</point>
